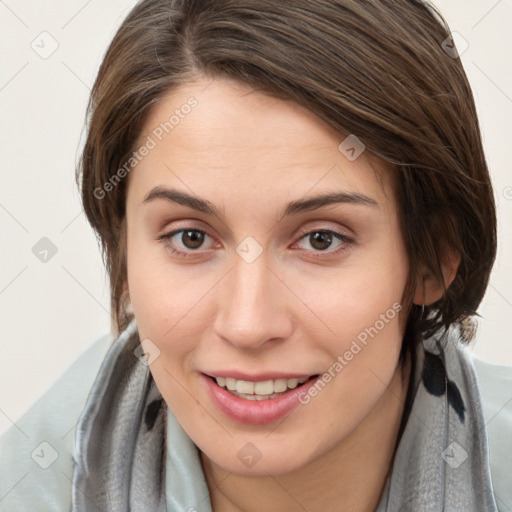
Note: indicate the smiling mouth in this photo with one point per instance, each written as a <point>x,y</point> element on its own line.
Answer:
<point>264,390</point>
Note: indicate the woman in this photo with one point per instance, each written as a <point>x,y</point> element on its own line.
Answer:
<point>298,223</point>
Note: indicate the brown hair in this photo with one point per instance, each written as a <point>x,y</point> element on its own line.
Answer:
<point>374,68</point>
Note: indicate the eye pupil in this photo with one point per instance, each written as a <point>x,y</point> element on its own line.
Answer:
<point>324,239</point>
<point>196,238</point>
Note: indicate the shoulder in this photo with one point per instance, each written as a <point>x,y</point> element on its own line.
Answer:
<point>36,453</point>
<point>495,383</point>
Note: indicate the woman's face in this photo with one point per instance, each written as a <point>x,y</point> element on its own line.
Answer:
<point>238,269</point>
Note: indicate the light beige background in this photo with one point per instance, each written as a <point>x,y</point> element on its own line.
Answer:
<point>51,312</point>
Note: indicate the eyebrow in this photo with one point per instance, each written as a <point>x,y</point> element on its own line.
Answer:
<point>293,208</point>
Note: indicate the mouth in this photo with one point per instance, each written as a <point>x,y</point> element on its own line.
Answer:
<point>261,390</point>
<point>257,402</point>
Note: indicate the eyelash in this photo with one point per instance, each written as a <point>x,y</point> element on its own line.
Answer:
<point>320,254</point>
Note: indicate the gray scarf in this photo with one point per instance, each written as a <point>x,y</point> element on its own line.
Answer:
<point>125,463</point>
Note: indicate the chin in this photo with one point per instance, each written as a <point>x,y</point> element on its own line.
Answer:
<point>249,456</point>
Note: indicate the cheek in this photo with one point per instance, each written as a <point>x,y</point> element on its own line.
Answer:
<point>162,302</point>
<point>169,303</point>
<point>153,288</point>
<point>151,281</point>
<point>365,313</point>
<point>360,301</point>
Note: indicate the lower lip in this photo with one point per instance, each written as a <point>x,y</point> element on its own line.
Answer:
<point>256,412</point>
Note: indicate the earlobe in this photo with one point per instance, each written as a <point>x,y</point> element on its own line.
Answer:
<point>450,267</point>
<point>429,288</point>
<point>126,292</point>
<point>126,298</point>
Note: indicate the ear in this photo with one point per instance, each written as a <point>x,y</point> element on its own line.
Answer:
<point>429,289</point>
<point>126,291</point>
<point>126,297</point>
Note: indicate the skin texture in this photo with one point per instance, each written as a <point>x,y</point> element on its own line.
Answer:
<point>250,155</point>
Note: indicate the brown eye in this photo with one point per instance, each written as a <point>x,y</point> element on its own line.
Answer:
<point>320,240</point>
<point>185,245</point>
<point>192,239</point>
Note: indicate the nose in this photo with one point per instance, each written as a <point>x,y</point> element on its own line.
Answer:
<point>253,307</point>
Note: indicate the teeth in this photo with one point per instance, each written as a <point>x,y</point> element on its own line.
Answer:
<point>280,385</point>
<point>263,388</point>
<point>258,389</point>
<point>245,387</point>
<point>230,384</point>
<point>292,383</point>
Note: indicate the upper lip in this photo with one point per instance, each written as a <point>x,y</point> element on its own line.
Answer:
<point>259,377</point>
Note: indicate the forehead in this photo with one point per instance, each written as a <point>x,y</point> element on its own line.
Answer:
<point>225,134</point>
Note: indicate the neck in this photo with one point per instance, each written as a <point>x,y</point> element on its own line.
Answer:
<point>350,477</point>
